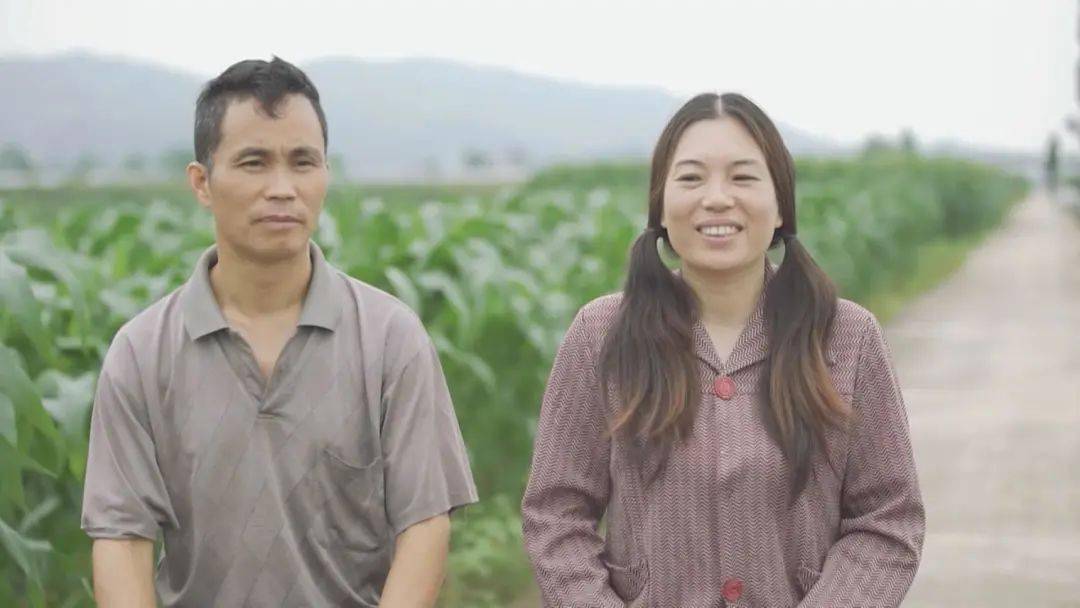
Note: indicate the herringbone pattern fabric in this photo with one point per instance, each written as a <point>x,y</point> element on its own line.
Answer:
<point>714,527</point>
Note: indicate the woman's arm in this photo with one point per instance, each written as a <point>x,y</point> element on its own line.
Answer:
<point>124,573</point>
<point>569,483</point>
<point>882,518</point>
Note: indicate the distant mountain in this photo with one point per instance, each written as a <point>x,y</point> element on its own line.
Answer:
<point>63,107</point>
<point>405,118</point>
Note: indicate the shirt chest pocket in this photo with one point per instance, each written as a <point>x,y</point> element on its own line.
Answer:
<point>349,468</point>
<point>354,506</point>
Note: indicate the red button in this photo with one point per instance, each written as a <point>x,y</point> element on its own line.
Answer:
<point>724,388</point>
<point>732,590</point>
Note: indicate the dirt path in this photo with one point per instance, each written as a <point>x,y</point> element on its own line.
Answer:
<point>990,365</point>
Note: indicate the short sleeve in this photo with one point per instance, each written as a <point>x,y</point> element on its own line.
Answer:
<point>124,495</point>
<point>425,461</point>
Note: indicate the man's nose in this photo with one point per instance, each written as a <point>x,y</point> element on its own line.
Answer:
<point>282,185</point>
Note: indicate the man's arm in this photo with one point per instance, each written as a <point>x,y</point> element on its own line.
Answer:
<point>125,502</point>
<point>425,465</point>
<point>419,565</point>
<point>124,573</point>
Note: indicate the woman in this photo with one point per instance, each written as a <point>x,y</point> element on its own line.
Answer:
<point>741,427</point>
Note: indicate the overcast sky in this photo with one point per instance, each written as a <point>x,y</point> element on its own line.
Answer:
<point>988,72</point>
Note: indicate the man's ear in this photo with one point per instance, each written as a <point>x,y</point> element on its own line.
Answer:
<point>199,180</point>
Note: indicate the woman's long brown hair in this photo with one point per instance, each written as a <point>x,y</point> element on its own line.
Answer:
<point>648,354</point>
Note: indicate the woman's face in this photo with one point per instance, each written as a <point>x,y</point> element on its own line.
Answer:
<point>719,206</point>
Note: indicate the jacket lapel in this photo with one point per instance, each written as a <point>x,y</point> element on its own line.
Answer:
<point>751,346</point>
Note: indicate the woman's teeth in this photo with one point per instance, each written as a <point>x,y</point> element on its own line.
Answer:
<point>719,230</point>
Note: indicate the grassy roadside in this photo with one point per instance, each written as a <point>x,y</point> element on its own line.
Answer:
<point>936,261</point>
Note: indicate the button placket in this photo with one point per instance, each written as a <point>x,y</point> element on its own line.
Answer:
<point>280,371</point>
<point>241,359</point>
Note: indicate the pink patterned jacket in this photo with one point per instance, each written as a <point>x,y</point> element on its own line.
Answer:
<point>714,529</point>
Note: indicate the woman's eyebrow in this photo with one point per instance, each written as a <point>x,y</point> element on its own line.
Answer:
<point>688,161</point>
<point>736,163</point>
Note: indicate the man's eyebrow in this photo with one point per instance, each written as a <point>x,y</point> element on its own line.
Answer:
<point>306,150</point>
<point>251,151</point>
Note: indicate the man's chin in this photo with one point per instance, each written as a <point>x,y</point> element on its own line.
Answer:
<point>276,251</point>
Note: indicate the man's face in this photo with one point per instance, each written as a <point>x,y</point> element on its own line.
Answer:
<point>268,179</point>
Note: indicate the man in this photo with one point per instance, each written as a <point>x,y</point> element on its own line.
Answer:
<point>287,428</point>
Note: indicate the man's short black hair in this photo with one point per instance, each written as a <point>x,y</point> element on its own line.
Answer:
<point>267,81</point>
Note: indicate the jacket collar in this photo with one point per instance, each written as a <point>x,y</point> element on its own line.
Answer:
<point>751,346</point>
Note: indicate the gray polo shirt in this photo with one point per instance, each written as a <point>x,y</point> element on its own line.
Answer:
<point>284,494</point>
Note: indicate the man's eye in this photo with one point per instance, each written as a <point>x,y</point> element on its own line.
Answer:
<point>251,163</point>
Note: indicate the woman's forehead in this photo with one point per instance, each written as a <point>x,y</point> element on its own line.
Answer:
<point>722,140</point>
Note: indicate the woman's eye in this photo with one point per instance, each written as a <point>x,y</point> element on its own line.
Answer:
<point>687,178</point>
<point>745,178</point>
